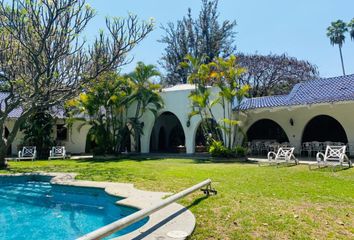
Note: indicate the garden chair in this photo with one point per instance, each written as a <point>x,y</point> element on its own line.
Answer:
<point>284,155</point>
<point>27,153</point>
<point>57,152</point>
<point>333,156</point>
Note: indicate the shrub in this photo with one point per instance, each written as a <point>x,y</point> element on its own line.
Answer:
<point>217,149</point>
<point>240,151</point>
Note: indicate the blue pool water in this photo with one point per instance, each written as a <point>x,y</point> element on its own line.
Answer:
<point>39,210</point>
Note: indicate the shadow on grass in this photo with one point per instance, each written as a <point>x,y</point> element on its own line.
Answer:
<point>198,200</point>
<point>195,159</point>
<point>330,168</point>
<point>118,159</point>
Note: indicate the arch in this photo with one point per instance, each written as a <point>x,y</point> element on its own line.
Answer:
<point>167,134</point>
<point>162,139</point>
<point>200,136</point>
<point>324,128</point>
<point>266,129</point>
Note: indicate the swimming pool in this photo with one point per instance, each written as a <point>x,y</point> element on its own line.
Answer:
<point>41,210</point>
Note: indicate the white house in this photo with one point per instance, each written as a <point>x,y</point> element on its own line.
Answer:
<point>314,111</point>
<point>319,110</point>
<point>74,139</point>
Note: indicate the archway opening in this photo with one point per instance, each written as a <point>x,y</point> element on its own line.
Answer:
<point>266,130</point>
<point>167,135</point>
<point>207,128</point>
<point>324,128</point>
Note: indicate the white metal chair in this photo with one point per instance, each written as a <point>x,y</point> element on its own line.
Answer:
<point>333,156</point>
<point>27,153</point>
<point>57,152</point>
<point>284,155</point>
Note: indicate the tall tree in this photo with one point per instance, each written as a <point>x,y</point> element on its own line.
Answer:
<point>144,95</point>
<point>336,34</point>
<point>37,131</point>
<point>351,28</point>
<point>104,103</point>
<point>44,61</point>
<point>223,74</point>
<point>204,36</point>
<point>274,74</point>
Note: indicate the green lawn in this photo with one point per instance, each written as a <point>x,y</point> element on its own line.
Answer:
<point>252,202</point>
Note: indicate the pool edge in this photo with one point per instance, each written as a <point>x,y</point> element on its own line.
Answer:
<point>161,224</point>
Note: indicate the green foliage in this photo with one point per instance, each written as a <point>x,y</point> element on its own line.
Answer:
<point>225,75</point>
<point>45,60</point>
<point>217,149</point>
<point>336,31</point>
<point>145,95</point>
<point>240,151</point>
<point>351,28</point>
<point>106,103</point>
<point>252,202</point>
<point>336,34</point>
<point>37,130</point>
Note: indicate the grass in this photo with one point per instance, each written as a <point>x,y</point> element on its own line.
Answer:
<point>252,202</point>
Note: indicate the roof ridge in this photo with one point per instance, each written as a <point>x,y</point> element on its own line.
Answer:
<point>321,90</point>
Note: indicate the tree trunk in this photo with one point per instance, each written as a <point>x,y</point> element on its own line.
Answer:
<point>341,58</point>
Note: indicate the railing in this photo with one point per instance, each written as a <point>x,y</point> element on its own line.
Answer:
<point>124,222</point>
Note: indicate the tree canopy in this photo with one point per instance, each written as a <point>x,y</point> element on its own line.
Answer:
<point>204,37</point>
<point>45,61</point>
<point>274,74</point>
<point>336,34</point>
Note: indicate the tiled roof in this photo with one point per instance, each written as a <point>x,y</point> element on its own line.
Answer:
<point>325,90</point>
<point>56,112</point>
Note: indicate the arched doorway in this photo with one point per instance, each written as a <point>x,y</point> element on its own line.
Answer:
<point>266,130</point>
<point>324,128</point>
<point>162,139</point>
<point>167,134</point>
<point>206,128</point>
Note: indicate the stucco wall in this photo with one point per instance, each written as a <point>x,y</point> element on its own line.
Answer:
<point>75,143</point>
<point>177,102</point>
<point>343,112</point>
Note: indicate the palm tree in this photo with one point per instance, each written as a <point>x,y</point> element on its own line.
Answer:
<point>336,32</point>
<point>145,95</point>
<point>351,29</point>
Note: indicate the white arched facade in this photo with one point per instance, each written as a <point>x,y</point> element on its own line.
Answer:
<point>176,101</point>
<point>294,119</point>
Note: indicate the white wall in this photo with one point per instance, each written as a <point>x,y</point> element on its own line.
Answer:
<point>343,112</point>
<point>75,143</point>
<point>177,102</point>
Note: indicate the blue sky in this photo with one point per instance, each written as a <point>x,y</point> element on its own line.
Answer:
<point>295,27</point>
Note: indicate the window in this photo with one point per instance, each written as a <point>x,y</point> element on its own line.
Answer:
<point>62,132</point>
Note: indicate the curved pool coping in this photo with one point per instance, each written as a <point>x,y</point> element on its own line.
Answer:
<point>161,225</point>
